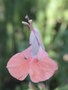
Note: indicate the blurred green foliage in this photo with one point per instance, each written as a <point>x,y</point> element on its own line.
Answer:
<point>51,18</point>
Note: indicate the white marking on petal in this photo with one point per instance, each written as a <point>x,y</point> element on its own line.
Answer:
<point>34,43</point>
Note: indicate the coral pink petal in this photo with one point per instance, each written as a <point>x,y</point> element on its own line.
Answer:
<point>43,69</point>
<point>18,64</point>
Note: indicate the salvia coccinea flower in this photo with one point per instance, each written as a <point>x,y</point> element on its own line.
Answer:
<point>34,61</point>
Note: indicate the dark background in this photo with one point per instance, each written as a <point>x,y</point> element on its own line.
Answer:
<point>51,18</point>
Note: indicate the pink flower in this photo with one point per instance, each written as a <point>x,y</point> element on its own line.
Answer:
<point>33,61</point>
